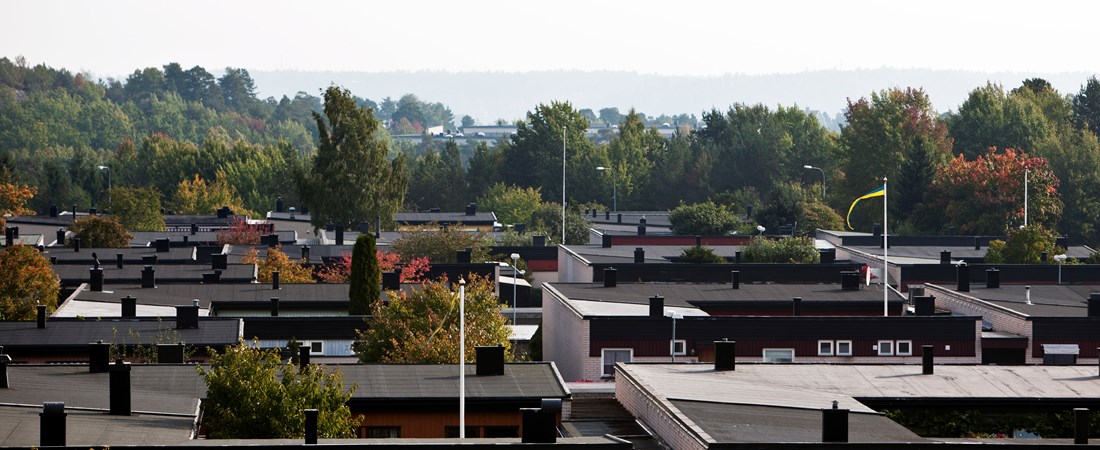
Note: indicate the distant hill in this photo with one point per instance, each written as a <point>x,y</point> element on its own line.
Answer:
<point>488,96</point>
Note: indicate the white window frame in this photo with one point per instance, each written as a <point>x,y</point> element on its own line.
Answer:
<point>897,348</point>
<point>764,355</point>
<point>823,352</point>
<point>310,344</point>
<point>888,350</point>
<point>603,359</point>
<point>836,348</point>
<point>678,342</point>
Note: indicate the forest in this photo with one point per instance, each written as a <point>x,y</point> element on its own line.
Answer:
<point>185,131</point>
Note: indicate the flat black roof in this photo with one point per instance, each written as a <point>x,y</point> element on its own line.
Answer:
<point>74,274</point>
<point>685,294</point>
<point>109,256</point>
<point>159,388</point>
<point>207,294</point>
<point>440,381</point>
<point>1067,300</point>
<point>737,423</point>
<point>73,332</point>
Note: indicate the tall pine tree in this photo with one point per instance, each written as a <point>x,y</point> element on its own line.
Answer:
<point>365,276</point>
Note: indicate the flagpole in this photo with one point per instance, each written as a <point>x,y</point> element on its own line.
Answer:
<point>885,252</point>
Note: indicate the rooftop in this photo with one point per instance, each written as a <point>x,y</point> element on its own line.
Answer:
<point>1066,300</point>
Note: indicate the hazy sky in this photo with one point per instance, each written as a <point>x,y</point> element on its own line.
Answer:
<point>112,37</point>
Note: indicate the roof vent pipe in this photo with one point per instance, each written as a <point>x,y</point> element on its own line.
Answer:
<point>1027,294</point>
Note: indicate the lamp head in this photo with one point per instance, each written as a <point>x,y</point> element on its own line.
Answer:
<point>515,256</point>
<point>807,166</point>
<point>601,168</point>
<point>760,228</point>
<point>103,168</point>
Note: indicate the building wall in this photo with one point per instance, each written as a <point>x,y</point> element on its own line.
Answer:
<point>572,269</point>
<point>655,414</point>
<point>999,318</point>
<point>565,337</point>
<point>431,424</point>
<point>331,347</point>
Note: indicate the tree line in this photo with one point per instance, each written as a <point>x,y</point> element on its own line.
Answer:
<point>957,172</point>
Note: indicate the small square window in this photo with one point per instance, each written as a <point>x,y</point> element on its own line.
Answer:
<point>904,348</point>
<point>678,347</point>
<point>824,348</point>
<point>844,348</point>
<point>316,348</point>
<point>612,356</point>
<point>885,348</point>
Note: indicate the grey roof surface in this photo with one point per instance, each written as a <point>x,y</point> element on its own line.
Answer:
<point>932,253</point>
<point>440,381</point>
<point>652,218</point>
<point>19,427</point>
<point>73,274</point>
<point>1067,300</point>
<point>683,295</point>
<point>108,256</point>
<point>417,218</point>
<point>653,253</point>
<point>183,294</point>
<point>754,423</point>
<point>160,388</point>
<point>142,238</point>
<point>75,332</point>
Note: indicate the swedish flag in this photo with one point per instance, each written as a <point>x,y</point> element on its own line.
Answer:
<point>878,192</point>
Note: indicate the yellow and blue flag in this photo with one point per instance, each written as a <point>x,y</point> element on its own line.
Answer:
<point>878,192</point>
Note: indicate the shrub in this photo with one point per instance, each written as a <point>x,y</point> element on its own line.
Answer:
<point>289,271</point>
<point>706,218</point>
<point>1024,246</point>
<point>100,232</point>
<point>798,250</point>
<point>698,254</point>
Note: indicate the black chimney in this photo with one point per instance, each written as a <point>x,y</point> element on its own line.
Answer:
<point>305,253</point>
<point>876,230</point>
<point>849,280</point>
<point>147,277</point>
<point>274,306</point>
<point>725,355</point>
<point>92,211</point>
<point>149,260</point>
<point>639,255</point>
<point>924,305</point>
<point>311,426</point>
<point>605,241</point>
<point>223,213</point>
<point>992,278</point>
<point>463,256</point>
<point>5,360</point>
<point>735,278</point>
<point>187,316</point>
<point>927,359</point>
<point>977,243</point>
<point>1094,304</point>
<point>279,204</point>
<point>219,261</point>
<point>118,260</point>
<point>339,235</point>
<point>963,277</point>
<point>945,257</point>
<point>610,279</point>
<point>99,357</point>
<point>274,279</point>
<point>76,244</point>
<point>641,229</point>
<point>60,236</point>
<point>1081,426</point>
<point>120,388</point>
<point>539,426</point>
<point>53,210</point>
<point>97,279</point>
<point>162,245</point>
<point>521,228</point>
<point>194,229</point>
<point>1043,257</point>
<point>619,218</point>
<point>538,241</point>
<point>796,306</point>
<point>471,209</point>
<point>303,356</point>
<point>490,360</point>
<point>656,306</point>
<point>391,281</point>
<point>41,316</point>
<point>129,306</point>
<point>170,353</point>
<point>52,424</point>
<point>834,424</point>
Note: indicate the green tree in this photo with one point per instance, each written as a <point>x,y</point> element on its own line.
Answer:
<point>467,121</point>
<point>705,218</point>
<point>511,204</point>
<point>546,219</point>
<point>351,181</point>
<point>441,245</point>
<point>533,157</point>
<point>797,250</point>
<point>698,254</point>
<point>27,279</point>
<point>882,133</point>
<point>1086,106</point>
<point>484,169</point>
<point>365,276</point>
<point>1024,246</point>
<point>100,232</point>
<point>422,327</point>
<point>136,208</point>
<point>630,153</point>
<point>252,394</point>
<point>438,180</point>
<point>990,117</point>
<point>198,197</point>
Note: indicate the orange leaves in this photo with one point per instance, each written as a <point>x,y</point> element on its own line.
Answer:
<point>26,280</point>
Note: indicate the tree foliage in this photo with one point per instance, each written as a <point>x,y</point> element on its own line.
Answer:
<point>365,277</point>
<point>441,244</point>
<point>26,280</point>
<point>546,220</point>
<point>351,181</point>
<point>797,250</point>
<point>707,218</point>
<point>422,327</point>
<point>290,271</point>
<point>511,204</point>
<point>198,197</point>
<point>137,208</point>
<point>252,394</point>
<point>100,232</point>
<point>1024,246</point>
<point>698,254</point>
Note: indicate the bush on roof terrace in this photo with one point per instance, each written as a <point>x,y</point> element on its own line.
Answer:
<point>797,250</point>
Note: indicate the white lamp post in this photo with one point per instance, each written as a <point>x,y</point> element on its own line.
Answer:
<point>461,358</point>
<point>807,166</point>
<point>614,188</point>
<point>1061,259</point>
<point>108,169</point>
<point>515,281</point>
<point>672,345</point>
<point>760,229</point>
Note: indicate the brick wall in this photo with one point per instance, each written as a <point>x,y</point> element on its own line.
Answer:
<point>657,414</point>
<point>565,337</point>
<point>1000,319</point>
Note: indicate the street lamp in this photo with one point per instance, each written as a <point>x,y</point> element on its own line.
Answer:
<point>807,166</point>
<point>614,188</point>
<point>1061,259</point>
<point>515,281</point>
<point>672,346</point>
<point>761,229</point>
<point>108,169</point>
